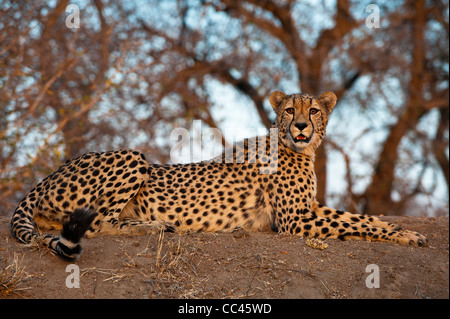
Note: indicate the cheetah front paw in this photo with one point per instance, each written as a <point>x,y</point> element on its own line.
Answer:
<point>407,237</point>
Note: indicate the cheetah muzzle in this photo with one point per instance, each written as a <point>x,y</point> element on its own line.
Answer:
<point>119,192</point>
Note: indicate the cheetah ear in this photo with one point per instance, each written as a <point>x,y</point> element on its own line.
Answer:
<point>276,98</point>
<point>328,100</point>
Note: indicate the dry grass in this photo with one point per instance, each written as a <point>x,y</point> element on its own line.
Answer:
<point>173,274</point>
<point>12,277</point>
<point>166,265</point>
<point>38,245</point>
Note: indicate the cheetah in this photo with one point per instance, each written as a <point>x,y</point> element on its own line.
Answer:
<point>267,183</point>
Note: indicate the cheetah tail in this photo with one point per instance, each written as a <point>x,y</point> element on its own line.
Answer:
<point>68,246</point>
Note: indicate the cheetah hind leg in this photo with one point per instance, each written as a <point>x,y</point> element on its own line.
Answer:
<point>138,227</point>
<point>129,226</point>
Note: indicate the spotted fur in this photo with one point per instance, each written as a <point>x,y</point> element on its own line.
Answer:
<point>256,189</point>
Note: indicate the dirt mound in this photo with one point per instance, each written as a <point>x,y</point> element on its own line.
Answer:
<point>237,265</point>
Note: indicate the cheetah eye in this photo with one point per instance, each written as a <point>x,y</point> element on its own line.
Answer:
<point>313,111</point>
<point>290,110</point>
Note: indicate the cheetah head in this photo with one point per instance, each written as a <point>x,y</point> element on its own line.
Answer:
<point>302,119</point>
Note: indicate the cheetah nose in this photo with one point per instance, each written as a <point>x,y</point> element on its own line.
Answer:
<point>301,126</point>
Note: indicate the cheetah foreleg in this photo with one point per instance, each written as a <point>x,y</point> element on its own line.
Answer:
<point>312,226</point>
<point>326,212</point>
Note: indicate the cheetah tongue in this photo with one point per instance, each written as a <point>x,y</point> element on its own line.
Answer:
<point>300,137</point>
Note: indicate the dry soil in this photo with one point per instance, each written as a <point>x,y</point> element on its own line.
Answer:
<point>237,265</point>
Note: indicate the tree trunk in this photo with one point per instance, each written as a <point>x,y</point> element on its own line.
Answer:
<point>377,196</point>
